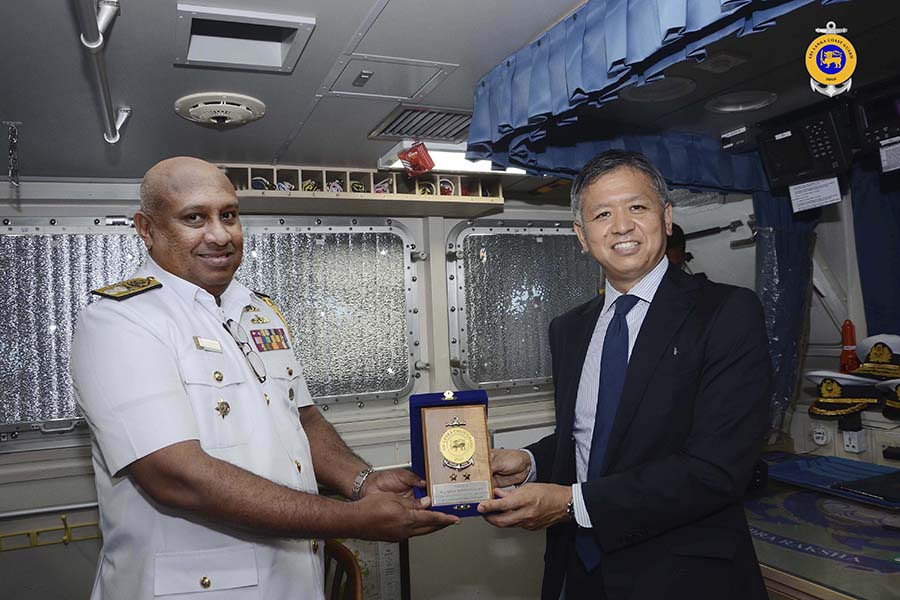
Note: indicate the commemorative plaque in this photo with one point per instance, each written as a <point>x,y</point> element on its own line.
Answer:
<point>454,450</point>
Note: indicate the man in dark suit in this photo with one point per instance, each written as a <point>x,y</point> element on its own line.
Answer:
<point>661,402</point>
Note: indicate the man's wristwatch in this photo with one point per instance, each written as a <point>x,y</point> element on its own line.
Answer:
<point>359,482</point>
<point>570,509</point>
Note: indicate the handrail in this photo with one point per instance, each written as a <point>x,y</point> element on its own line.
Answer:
<point>35,512</point>
<point>94,25</point>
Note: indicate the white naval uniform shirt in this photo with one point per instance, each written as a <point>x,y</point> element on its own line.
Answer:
<point>143,383</point>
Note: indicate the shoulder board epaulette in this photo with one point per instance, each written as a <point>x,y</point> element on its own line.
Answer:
<point>261,295</point>
<point>128,288</point>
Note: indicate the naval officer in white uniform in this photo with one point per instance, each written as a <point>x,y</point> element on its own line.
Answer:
<point>207,449</point>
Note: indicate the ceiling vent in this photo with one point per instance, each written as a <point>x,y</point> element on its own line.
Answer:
<point>220,109</point>
<point>428,123</point>
<point>240,39</point>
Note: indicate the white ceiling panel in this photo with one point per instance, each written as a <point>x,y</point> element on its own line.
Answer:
<point>338,129</point>
<point>386,79</point>
<point>472,32</point>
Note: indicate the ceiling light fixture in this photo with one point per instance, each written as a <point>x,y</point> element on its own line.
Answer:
<point>741,101</point>
<point>448,158</point>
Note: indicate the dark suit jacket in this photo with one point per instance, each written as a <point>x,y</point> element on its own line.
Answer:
<point>667,511</point>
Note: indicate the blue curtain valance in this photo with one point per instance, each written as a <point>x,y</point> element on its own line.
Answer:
<point>523,103</point>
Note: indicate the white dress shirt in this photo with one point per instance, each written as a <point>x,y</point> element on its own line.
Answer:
<point>159,368</point>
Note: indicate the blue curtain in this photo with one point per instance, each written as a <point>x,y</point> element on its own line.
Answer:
<point>528,112</point>
<point>784,247</point>
<point>686,160</point>
<point>876,221</point>
<point>535,94</point>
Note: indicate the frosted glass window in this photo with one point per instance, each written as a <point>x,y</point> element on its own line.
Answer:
<point>343,293</point>
<point>47,280</point>
<point>510,282</point>
<point>344,297</point>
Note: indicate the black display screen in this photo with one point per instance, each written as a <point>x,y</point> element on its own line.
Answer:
<point>800,149</point>
<point>883,110</point>
<point>787,155</point>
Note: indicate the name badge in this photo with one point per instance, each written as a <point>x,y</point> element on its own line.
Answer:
<point>207,344</point>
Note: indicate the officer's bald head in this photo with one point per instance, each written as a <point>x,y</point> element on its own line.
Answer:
<point>172,178</point>
<point>189,222</point>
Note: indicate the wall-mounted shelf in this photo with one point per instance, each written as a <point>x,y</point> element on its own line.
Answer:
<point>266,189</point>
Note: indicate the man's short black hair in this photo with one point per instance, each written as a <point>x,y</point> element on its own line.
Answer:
<point>677,239</point>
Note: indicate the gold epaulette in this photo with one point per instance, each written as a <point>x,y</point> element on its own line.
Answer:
<point>128,288</point>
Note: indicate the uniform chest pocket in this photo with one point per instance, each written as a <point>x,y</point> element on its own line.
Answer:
<point>282,379</point>
<point>220,400</point>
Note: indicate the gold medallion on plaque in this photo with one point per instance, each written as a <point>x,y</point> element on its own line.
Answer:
<point>458,448</point>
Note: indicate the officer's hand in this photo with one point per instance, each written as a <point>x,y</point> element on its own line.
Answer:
<point>397,481</point>
<point>391,517</point>
<point>510,467</point>
<point>532,506</point>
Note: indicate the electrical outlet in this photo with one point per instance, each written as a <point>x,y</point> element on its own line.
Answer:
<point>855,442</point>
<point>820,435</point>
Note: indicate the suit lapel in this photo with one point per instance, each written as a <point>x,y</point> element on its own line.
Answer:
<point>580,333</point>
<point>673,301</point>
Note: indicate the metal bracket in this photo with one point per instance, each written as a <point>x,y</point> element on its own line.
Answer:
<point>746,242</point>
<point>119,220</point>
<point>121,116</point>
